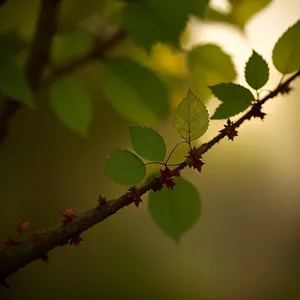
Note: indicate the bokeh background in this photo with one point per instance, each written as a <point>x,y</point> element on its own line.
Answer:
<point>246,243</point>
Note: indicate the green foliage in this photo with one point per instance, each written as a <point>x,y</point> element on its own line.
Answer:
<point>13,82</point>
<point>151,21</point>
<point>209,65</point>
<point>124,167</point>
<point>256,71</point>
<point>175,211</point>
<point>74,11</point>
<point>235,98</point>
<point>134,91</point>
<point>72,104</point>
<point>242,11</point>
<point>76,43</point>
<point>286,53</point>
<point>191,118</point>
<point>12,43</point>
<point>147,143</point>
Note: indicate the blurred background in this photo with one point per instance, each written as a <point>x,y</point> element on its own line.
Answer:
<point>246,242</point>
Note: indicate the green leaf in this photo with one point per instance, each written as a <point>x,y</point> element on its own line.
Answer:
<point>72,104</point>
<point>191,118</point>
<point>151,21</point>
<point>134,91</point>
<point>13,82</point>
<point>256,71</point>
<point>175,211</point>
<point>286,53</point>
<point>243,10</point>
<point>235,98</point>
<point>124,167</point>
<point>147,143</point>
<point>209,65</point>
<point>73,44</point>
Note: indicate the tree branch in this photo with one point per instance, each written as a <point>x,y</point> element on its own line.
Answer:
<point>38,58</point>
<point>37,246</point>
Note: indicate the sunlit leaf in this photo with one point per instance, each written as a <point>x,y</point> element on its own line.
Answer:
<point>209,65</point>
<point>191,118</point>
<point>256,71</point>
<point>13,82</point>
<point>124,167</point>
<point>235,98</point>
<point>151,21</point>
<point>73,44</point>
<point>134,91</point>
<point>243,10</point>
<point>175,211</point>
<point>147,143</point>
<point>286,53</point>
<point>72,104</point>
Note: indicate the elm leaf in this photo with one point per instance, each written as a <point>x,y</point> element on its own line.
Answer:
<point>147,143</point>
<point>191,118</point>
<point>235,98</point>
<point>124,167</point>
<point>175,211</point>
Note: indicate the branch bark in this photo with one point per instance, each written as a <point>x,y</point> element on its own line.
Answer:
<point>14,257</point>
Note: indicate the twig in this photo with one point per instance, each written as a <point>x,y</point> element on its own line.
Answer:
<point>37,60</point>
<point>40,243</point>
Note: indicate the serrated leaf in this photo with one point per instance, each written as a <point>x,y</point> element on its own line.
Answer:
<point>286,53</point>
<point>209,65</point>
<point>147,143</point>
<point>13,82</point>
<point>235,98</point>
<point>256,71</point>
<point>191,118</point>
<point>175,211</point>
<point>71,103</point>
<point>136,93</point>
<point>73,44</point>
<point>150,21</point>
<point>124,167</point>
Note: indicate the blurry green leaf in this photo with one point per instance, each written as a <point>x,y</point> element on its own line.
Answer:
<point>72,45</point>
<point>209,65</point>
<point>134,91</point>
<point>286,53</point>
<point>74,11</point>
<point>72,104</point>
<point>198,7</point>
<point>235,98</point>
<point>147,143</point>
<point>124,167</point>
<point>256,71</point>
<point>112,11</point>
<point>191,117</point>
<point>243,10</point>
<point>175,211</point>
<point>11,43</point>
<point>151,21</point>
<point>19,15</point>
<point>13,82</point>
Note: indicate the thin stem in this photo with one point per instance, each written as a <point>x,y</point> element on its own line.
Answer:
<point>174,150</point>
<point>155,163</point>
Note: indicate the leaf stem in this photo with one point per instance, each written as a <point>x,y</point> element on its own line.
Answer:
<point>177,144</point>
